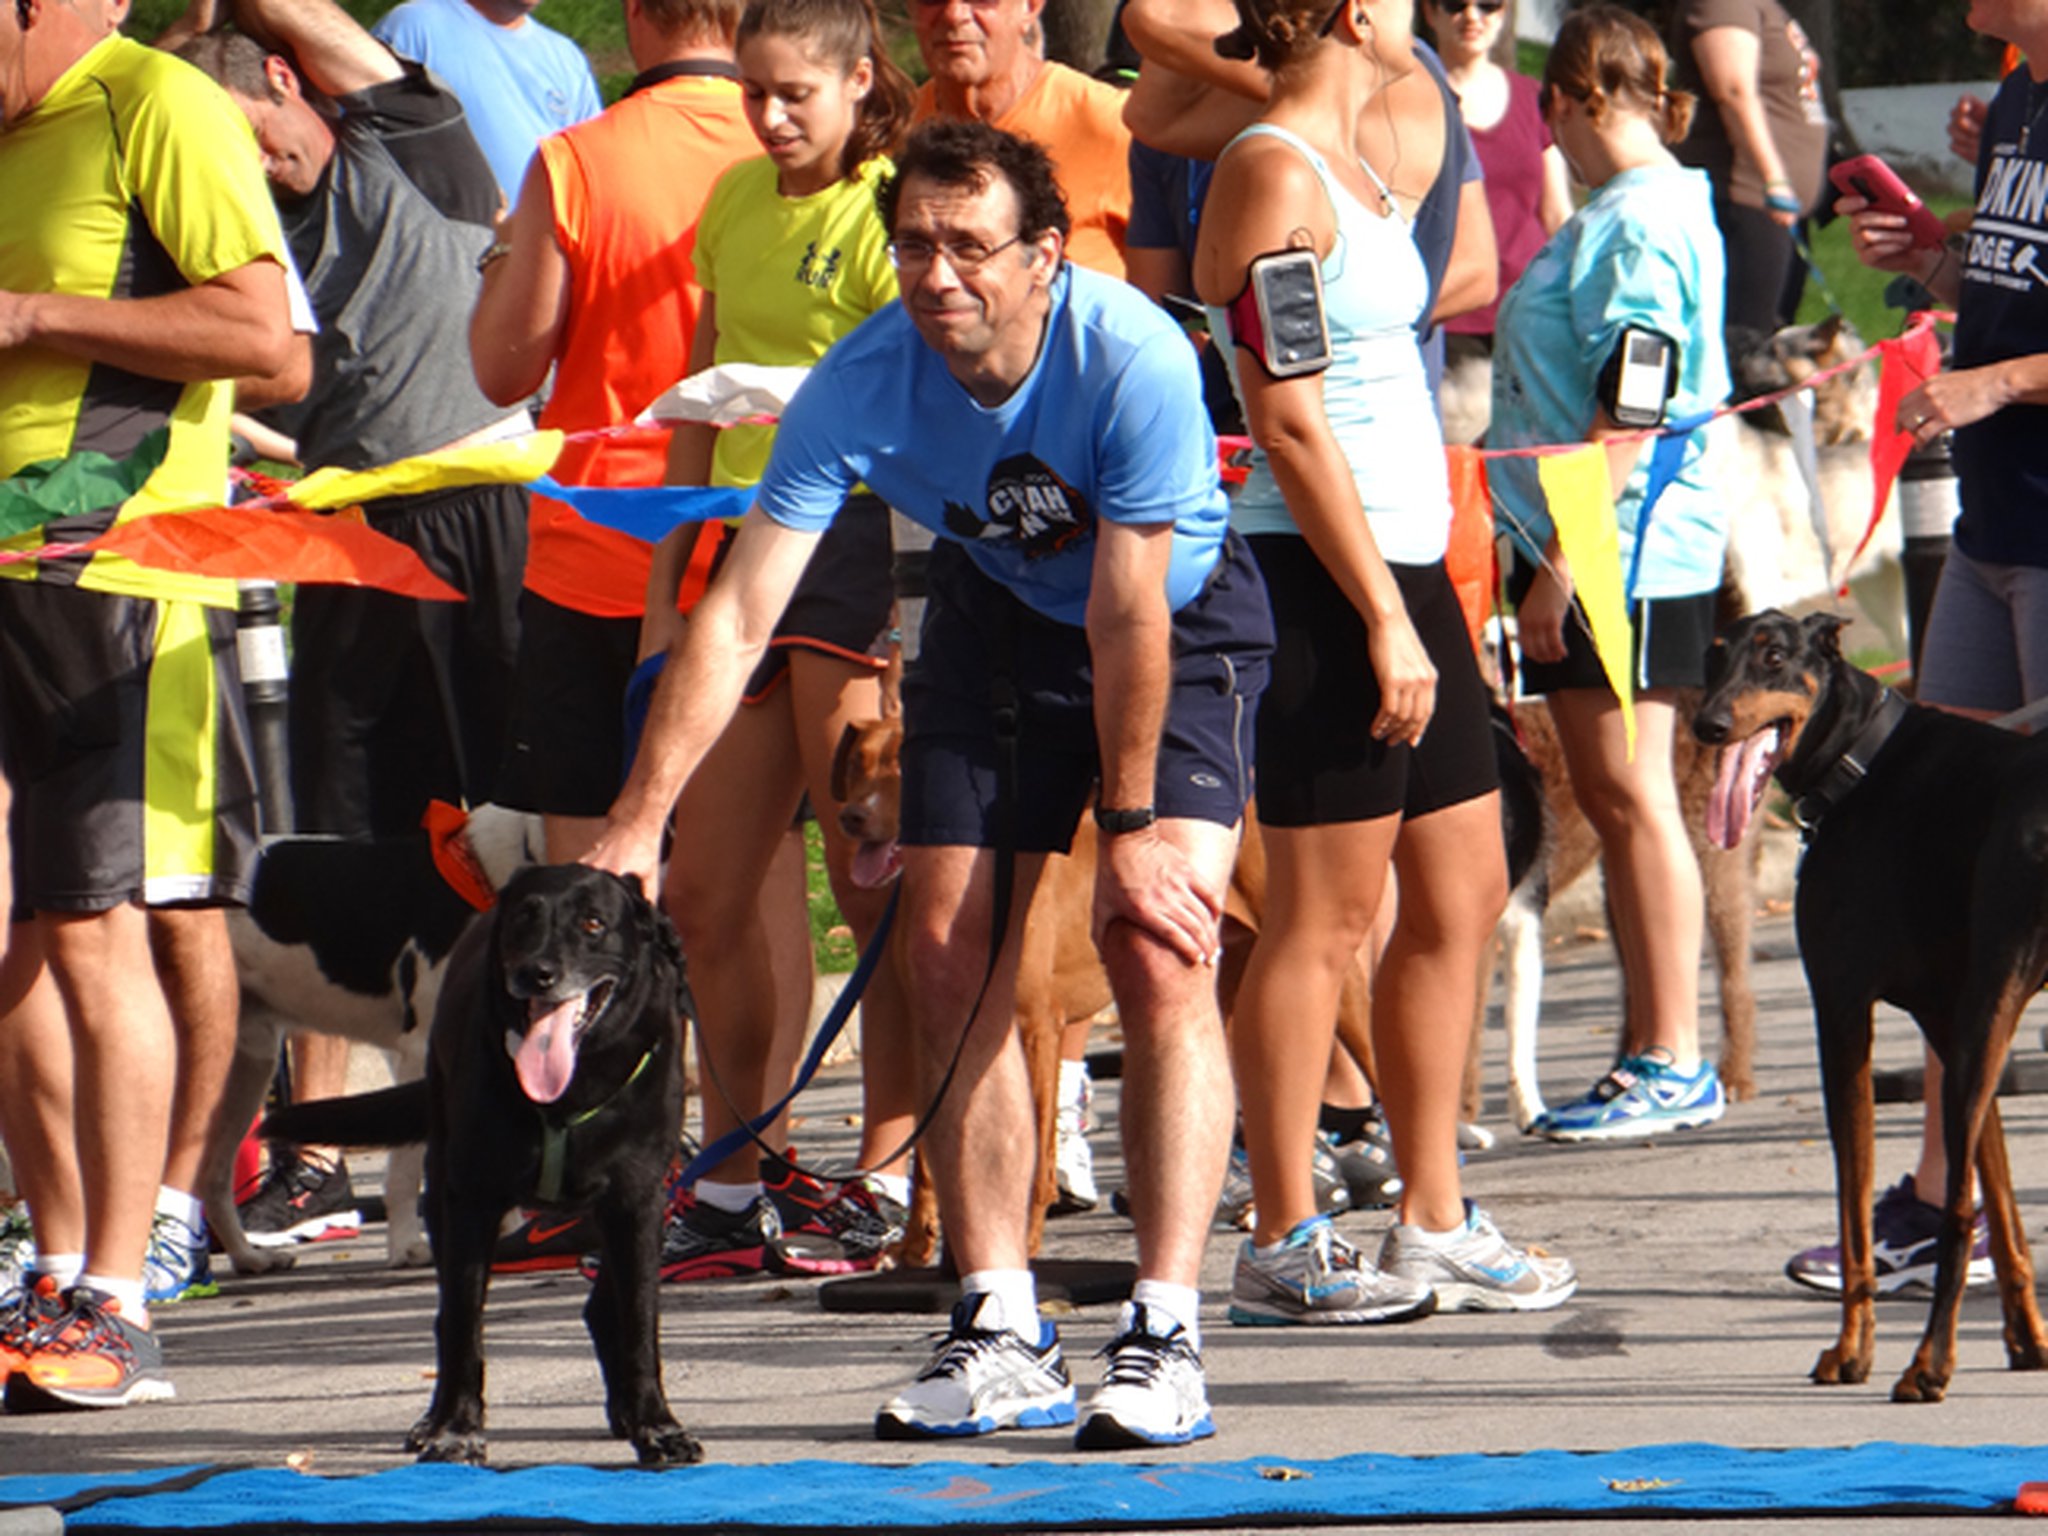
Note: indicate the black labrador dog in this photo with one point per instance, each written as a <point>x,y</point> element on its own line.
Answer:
<point>553,1080</point>
<point>1925,883</point>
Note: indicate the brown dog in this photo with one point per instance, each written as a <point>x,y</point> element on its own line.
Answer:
<point>1060,978</point>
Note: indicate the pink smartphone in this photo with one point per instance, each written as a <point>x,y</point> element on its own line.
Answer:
<point>1868,177</point>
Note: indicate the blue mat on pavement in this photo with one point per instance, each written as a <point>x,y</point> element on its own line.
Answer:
<point>1644,1483</point>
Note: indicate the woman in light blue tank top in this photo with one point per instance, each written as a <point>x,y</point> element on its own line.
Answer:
<point>1348,513</point>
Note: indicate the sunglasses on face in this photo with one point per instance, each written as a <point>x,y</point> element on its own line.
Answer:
<point>1460,7</point>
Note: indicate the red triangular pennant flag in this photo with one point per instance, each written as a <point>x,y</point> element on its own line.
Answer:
<point>1909,361</point>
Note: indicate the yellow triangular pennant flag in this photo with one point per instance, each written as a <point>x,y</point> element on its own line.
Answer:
<point>510,461</point>
<point>1581,501</point>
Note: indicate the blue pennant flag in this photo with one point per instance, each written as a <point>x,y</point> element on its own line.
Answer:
<point>648,512</point>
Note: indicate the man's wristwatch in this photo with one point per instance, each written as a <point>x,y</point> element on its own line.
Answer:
<point>1137,819</point>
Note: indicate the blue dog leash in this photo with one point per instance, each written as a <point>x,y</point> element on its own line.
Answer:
<point>639,694</point>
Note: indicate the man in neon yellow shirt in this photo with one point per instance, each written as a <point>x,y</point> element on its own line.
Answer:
<point>145,274</point>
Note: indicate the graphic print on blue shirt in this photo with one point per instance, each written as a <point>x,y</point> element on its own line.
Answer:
<point>1029,503</point>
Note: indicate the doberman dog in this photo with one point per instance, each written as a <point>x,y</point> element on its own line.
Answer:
<point>1924,883</point>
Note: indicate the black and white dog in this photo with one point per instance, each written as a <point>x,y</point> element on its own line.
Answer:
<point>347,938</point>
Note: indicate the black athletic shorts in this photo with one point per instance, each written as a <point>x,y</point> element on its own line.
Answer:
<point>126,741</point>
<point>1318,762</point>
<point>1222,640</point>
<point>396,701</point>
<point>841,607</point>
<point>1668,642</point>
<point>568,755</point>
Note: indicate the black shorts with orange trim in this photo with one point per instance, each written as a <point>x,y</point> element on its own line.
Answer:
<point>841,606</point>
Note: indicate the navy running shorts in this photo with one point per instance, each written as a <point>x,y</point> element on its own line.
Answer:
<point>973,626</point>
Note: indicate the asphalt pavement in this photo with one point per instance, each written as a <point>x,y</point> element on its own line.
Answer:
<point>1684,1327</point>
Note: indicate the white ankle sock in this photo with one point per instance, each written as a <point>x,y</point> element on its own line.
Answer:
<point>64,1268</point>
<point>1015,1296</point>
<point>1170,1304</point>
<point>176,1202</point>
<point>730,1198</point>
<point>127,1292</point>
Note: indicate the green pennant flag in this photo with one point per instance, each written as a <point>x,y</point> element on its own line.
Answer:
<point>84,482</point>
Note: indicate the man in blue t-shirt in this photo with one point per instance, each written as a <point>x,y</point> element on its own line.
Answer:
<point>518,80</point>
<point>1092,628</point>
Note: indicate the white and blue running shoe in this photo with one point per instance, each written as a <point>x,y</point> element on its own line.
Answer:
<point>1472,1268</point>
<point>1641,1097</point>
<point>980,1380</point>
<point>1315,1277</point>
<point>1153,1392</point>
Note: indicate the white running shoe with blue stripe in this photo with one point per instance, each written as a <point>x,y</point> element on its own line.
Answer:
<point>1153,1392</point>
<point>982,1379</point>
<point>1472,1268</point>
<point>1316,1277</point>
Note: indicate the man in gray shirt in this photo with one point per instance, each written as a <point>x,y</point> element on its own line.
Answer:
<point>388,206</point>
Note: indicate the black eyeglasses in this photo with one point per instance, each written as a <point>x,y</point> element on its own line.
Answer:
<point>1460,7</point>
<point>965,257</point>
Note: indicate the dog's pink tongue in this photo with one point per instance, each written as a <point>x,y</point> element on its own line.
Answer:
<point>546,1057</point>
<point>1739,781</point>
<point>876,864</point>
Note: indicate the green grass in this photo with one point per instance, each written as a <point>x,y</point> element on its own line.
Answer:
<point>831,940</point>
<point>1847,284</point>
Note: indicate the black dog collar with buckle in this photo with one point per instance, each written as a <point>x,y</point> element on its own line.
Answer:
<point>1847,771</point>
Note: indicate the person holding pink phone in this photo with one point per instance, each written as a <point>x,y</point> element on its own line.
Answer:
<point>1986,650</point>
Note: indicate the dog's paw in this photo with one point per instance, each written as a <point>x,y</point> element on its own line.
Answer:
<point>2026,1355</point>
<point>1919,1386</point>
<point>1835,1369</point>
<point>263,1261</point>
<point>666,1445</point>
<point>435,1443</point>
<point>416,1254</point>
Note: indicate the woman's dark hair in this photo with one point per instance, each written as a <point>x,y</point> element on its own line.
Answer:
<point>841,33</point>
<point>1278,32</point>
<point>969,154</point>
<point>1605,55</point>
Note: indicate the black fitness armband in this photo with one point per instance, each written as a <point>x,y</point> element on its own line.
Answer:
<point>1640,378</point>
<point>1279,317</point>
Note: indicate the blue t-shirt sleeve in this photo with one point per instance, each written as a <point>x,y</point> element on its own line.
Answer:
<point>1156,453</point>
<point>815,464</point>
<point>1631,279</point>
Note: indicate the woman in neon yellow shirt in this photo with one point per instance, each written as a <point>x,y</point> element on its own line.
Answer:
<point>791,255</point>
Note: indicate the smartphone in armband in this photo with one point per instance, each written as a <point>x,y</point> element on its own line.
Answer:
<point>1868,177</point>
<point>1288,331</point>
<point>1640,378</point>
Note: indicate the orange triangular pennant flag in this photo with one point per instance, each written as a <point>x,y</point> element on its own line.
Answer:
<point>1469,559</point>
<point>278,546</point>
